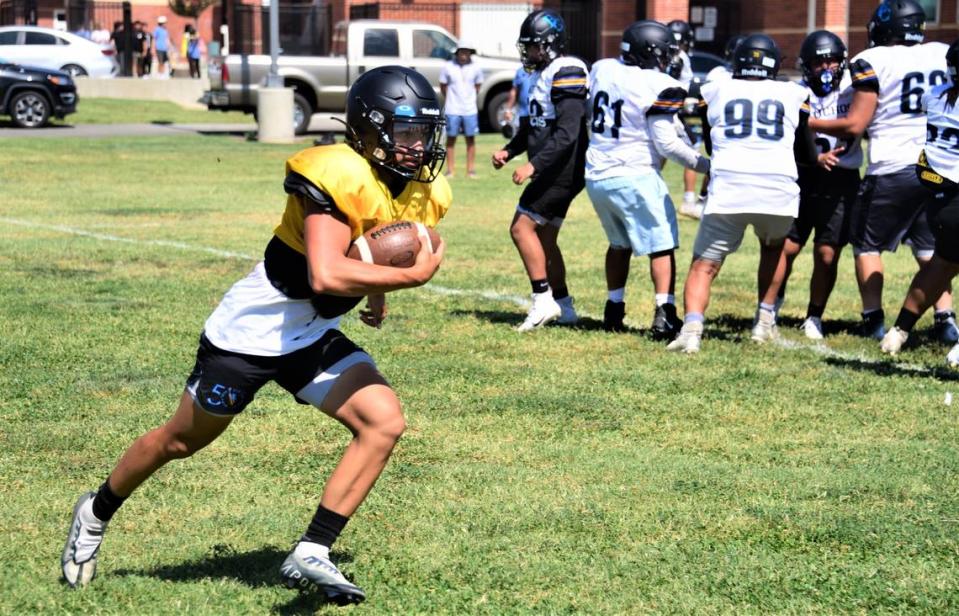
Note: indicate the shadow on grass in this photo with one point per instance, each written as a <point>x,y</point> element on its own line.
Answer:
<point>881,368</point>
<point>257,569</point>
<point>513,319</point>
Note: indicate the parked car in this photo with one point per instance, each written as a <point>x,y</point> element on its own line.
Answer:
<point>701,62</point>
<point>31,95</point>
<point>56,51</point>
<point>320,83</point>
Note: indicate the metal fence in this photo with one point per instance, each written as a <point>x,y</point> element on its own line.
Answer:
<point>88,15</point>
<point>304,29</point>
<point>18,12</point>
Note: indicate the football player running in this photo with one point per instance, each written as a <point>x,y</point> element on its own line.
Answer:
<point>280,322</point>
<point>633,107</point>
<point>890,79</point>
<point>938,169</point>
<point>827,191</point>
<point>555,140</point>
<point>751,124</point>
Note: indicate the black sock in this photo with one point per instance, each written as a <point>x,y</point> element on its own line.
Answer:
<point>106,503</point>
<point>906,320</point>
<point>539,286</point>
<point>560,292</point>
<point>812,310</point>
<point>325,527</point>
<point>877,314</point>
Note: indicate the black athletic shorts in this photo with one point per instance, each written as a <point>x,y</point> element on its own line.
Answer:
<point>548,200</point>
<point>826,200</point>
<point>942,210</point>
<point>890,210</point>
<point>224,382</point>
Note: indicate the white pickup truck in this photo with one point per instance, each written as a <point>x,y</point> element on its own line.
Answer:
<point>320,83</point>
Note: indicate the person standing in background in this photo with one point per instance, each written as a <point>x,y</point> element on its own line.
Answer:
<point>161,42</point>
<point>190,48</point>
<point>460,82</point>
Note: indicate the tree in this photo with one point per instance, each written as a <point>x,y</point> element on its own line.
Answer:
<point>190,8</point>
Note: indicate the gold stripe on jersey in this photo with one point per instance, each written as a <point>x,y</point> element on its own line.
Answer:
<point>358,193</point>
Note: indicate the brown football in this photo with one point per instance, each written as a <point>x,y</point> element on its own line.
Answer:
<point>395,244</point>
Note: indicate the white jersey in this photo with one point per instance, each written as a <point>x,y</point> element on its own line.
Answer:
<point>257,319</point>
<point>718,73</point>
<point>752,129</point>
<point>555,75</point>
<point>836,105</point>
<point>900,75</point>
<point>621,98</point>
<point>942,133</point>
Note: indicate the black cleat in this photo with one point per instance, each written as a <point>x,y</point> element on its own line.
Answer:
<point>945,327</point>
<point>873,325</point>
<point>613,316</point>
<point>666,324</point>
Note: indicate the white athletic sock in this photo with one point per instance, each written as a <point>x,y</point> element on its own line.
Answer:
<point>689,196</point>
<point>665,298</point>
<point>617,295</point>
<point>310,548</point>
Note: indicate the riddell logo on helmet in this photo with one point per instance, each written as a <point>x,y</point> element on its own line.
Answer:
<point>753,72</point>
<point>429,111</point>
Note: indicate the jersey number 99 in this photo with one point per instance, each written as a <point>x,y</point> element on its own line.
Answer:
<point>740,119</point>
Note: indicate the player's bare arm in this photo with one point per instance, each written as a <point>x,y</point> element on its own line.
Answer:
<point>860,114</point>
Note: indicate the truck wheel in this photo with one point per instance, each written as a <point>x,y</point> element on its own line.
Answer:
<point>29,109</point>
<point>495,110</point>
<point>302,112</point>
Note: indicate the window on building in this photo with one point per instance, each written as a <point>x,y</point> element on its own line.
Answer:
<point>381,42</point>
<point>932,10</point>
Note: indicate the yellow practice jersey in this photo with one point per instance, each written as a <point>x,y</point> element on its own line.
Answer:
<point>359,193</point>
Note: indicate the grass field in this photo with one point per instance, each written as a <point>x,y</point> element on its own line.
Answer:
<point>123,111</point>
<point>567,471</point>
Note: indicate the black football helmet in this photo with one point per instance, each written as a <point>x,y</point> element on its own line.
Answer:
<point>682,33</point>
<point>547,30</point>
<point>897,22</point>
<point>646,44</point>
<point>952,61</point>
<point>756,56</point>
<point>816,47</point>
<point>731,46</point>
<point>395,121</point>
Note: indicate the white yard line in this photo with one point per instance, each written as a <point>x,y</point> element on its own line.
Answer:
<point>792,345</point>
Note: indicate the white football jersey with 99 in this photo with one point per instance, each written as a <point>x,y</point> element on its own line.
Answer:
<point>752,128</point>
<point>621,98</point>
<point>900,75</point>
<point>942,133</point>
<point>836,105</point>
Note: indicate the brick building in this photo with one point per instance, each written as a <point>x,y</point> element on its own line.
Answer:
<point>595,25</point>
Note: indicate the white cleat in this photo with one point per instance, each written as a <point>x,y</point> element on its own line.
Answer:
<point>309,566</point>
<point>692,209</point>
<point>893,340</point>
<point>765,328</point>
<point>567,314</point>
<point>689,339</point>
<point>79,558</point>
<point>544,310</point>
<point>952,359</point>
<point>812,327</point>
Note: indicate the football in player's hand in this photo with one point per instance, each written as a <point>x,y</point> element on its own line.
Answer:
<point>395,244</point>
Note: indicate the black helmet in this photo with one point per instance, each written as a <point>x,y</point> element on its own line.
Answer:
<point>818,46</point>
<point>952,61</point>
<point>756,56</point>
<point>391,109</point>
<point>546,29</point>
<point>731,46</point>
<point>682,32</point>
<point>896,22</point>
<point>646,44</point>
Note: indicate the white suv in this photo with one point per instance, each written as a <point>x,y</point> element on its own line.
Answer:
<point>55,50</point>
